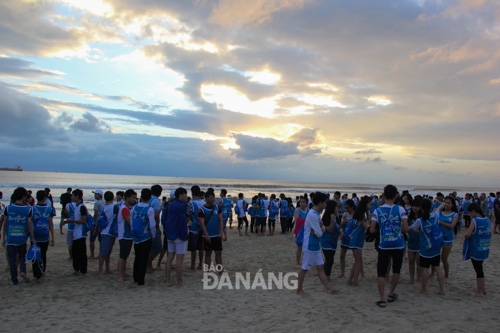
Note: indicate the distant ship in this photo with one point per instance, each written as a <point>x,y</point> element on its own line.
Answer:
<point>17,168</point>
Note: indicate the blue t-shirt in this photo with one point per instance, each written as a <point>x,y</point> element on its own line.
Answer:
<point>480,239</point>
<point>425,228</point>
<point>41,218</point>
<point>448,234</point>
<point>210,217</point>
<point>329,240</point>
<point>17,224</point>
<point>389,219</point>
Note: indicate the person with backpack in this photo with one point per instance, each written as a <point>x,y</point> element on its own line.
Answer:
<point>345,220</point>
<point>330,237</point>
<point>284,213</point>
<point>194,236</point>
<point>431,240</point>
<point>313,230</point>
<point>95,233</point>
<point>108,224</point>
<point>299,218</point>
<point>359,225</point>
<point>448,219</point>
<point>16,229</point>
<point>479,235</point>
<point>125,237</point>
<point>211,225</point>
<point>79,247</point>
<point>225,204</point>
<point>392,221</point>
<point>143,225</point>
<point>240,210</point>
<point>43,229</point>
<point>273,214</point>
<point>157,244</point>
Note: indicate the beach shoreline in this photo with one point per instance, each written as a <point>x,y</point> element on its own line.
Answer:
<point>102,304</point>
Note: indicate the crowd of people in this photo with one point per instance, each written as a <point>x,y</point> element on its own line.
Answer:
<point>422,228</point>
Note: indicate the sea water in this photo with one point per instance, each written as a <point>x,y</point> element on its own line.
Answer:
<point>58,182</point>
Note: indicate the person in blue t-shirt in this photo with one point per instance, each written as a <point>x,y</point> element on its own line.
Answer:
<point>176,231</point>
<point>430,255</point>
<point>357,238</point>
<point>313,231</point>
<point>16,229</point>
<point>392,221</point>
<point>479,235</point>
<point>211,226</point>
<point>330,237</point>
<point>43,226</point>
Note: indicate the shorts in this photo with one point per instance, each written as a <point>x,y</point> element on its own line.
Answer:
<point>156,245</point>
<point>107,243</point>
<point>165,242</point>
<point>384,257</point>
<point>69,238</point>
<point>194,242</point>
<point>215,244</point>
<point>177,246</point>
<point>428,262</point>
<point>311,259</point>
<point>95,233</point>
<point>272,223</point>
<point>241,220</point>
<point>260,221</point>
<point>497,218</point>
<point>125,247</point>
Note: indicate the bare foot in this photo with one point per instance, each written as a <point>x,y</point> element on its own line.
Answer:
<point>302,293</point>
<point>332,290</point>
<point>476,294</point>
<point>126,275</point>
<point>423,292</point>
<point>181,286</point>
<point>109,272</point>
<point>168,284</point>
<point>38,281</point>
<point>440,292</point>
<point>76,273</point>
<point>341,275</point>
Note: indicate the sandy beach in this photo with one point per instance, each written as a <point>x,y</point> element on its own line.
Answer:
<point>64,302</point>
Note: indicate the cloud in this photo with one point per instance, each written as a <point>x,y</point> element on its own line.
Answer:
<point>90,123</point>
<point>368,152</point>
<point>305,136</point>
<point>26,124</point>
<point>230,13</point>
<point>21,68</point>
<point>253,148</point>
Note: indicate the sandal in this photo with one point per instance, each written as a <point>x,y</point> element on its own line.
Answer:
<point>392,298</point>
<point>381,304</point>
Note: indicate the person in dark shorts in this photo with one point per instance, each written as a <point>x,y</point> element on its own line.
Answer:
<point>212,228</point>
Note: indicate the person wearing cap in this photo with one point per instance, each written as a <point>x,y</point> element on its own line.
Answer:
<point>96,230</point>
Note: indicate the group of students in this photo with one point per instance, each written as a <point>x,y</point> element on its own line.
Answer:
<point>198,225</point>
<point>394,223</point>
<point>195,224</point>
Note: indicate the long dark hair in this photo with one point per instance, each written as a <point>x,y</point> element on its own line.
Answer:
<point>425,209</point>
<point>329,210</point>
<point>453,204</point>
<point>362,210</point>
<point>416,203</point>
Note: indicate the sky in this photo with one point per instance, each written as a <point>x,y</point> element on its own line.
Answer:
<point>403,91</point>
